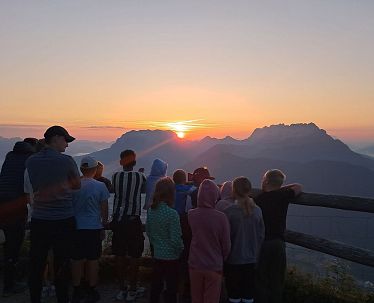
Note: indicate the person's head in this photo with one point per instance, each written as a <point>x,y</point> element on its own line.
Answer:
<point>128,159</point>
<point>208,194</point>
<point>41,144</point>
<point>180,176</point>
<point>100,170</point>
<point>33,142</point>
<point>159,168</point>
<point>88,166</point>
<point>273,179</point>
<point>164,192</point>
<point>200,174</point>
<point>57,138</point>
<point>242,188</point>
<point>226,191</point>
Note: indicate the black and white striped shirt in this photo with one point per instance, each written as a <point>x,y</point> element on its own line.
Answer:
<point>128,186</point>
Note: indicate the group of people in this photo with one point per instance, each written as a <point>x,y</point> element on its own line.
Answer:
<point>199,232</point>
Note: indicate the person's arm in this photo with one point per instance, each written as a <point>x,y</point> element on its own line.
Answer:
<point>148,229</point>
<point>104,212</point>
<point>261,231</point>
<point>27,187</point>
<point>175,233</point>
<point>144,184</point>
<point>74,176</point>
<point>226,241</point>
<point>295,187</point>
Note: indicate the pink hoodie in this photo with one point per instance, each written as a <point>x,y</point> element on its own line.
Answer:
<point>210,244</point>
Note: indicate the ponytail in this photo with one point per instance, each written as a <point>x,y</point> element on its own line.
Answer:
<point>242,188</point>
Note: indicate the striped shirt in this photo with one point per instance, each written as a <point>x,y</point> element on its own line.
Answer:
<point>128,186</point>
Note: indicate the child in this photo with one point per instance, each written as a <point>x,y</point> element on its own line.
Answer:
<point>273,201</point>
<point>226,195</point>
<point>210,245</point>
<point>99,177</point>
<point>247,234</point>
<point>91,214</point>
<point>164,232</point>
<point>182,196</point>
<point>158,171</point>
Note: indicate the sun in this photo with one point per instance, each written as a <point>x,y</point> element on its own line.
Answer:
<point>180,135</point>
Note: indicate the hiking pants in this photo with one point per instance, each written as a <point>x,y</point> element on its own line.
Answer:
<point>205,286</point>
<point>271,271</point>
<point>58,235</point>
<point>14,235</point>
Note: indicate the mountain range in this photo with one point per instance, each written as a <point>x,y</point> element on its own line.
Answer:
<point>305,152</point>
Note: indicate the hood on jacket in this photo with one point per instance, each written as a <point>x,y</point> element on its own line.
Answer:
<point>226,191</point>
<point>23,147</point>
<point>208,194</point>
<point>159,168</point>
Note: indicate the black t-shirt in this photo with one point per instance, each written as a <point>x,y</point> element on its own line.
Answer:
<point>274,206</point>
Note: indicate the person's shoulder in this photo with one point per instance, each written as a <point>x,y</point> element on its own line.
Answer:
<point>172,211</point>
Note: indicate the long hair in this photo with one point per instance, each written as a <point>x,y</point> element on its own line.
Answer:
<point>242,188</point>
<point>164,192</point>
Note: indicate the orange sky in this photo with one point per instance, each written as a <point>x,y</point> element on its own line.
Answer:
<point>231,66</point>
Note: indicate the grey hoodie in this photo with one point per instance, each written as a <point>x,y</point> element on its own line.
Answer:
<point>247,234</point>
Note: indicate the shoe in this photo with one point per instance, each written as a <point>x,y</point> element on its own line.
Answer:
<point>140,290</point>
<point>121,295</point>
<point>17,288</point>
<point>78,295</point>
<point>92,296</point>
<point>52,291</point>
<point>131,295</point>
<point>45,291</point>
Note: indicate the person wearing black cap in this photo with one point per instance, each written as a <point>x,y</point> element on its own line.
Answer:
<point>51,178</point>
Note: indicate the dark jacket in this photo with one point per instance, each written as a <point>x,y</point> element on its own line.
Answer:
<point>11,179</point>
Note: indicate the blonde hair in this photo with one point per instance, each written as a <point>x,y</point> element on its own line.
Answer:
<point>242,188</point>
<point>275,177</point>
<point>164,192</point>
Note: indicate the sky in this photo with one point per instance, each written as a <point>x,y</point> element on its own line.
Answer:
<point>101,68</point>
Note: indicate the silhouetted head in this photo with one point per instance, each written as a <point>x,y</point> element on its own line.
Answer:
<point>128,159</point>
<point>208,194</point>
<point>164,192</point>
<point>199,175</point>
<point>273,179</point>
<point>88,166</point>
<point>226,191</point>
<point>180,176</point>
<point>100,170</point>
<point>57,138</point>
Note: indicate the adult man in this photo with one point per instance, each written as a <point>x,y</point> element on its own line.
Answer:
<point>13,211</point>
<point>197,177</point>
<point>51,177</point>
<point>274,201</point>
<point>128,239</point>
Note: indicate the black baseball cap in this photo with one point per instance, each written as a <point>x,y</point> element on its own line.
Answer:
<point>57,130</point>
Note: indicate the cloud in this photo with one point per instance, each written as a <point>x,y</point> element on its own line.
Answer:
<point>103,127</point>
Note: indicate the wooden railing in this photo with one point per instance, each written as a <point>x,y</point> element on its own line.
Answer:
<point>333,248</point>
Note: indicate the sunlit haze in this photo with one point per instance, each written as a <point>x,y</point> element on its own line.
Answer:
<point>101,68</point>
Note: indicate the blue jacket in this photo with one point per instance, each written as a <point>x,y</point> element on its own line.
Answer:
<point>158,171</point>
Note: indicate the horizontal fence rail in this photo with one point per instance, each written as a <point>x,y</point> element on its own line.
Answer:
<point>332,248</point>
<point>332,201</point>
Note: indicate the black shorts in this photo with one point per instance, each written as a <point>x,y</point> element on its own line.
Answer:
<point>128,238</point>
<point>87,244</point>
